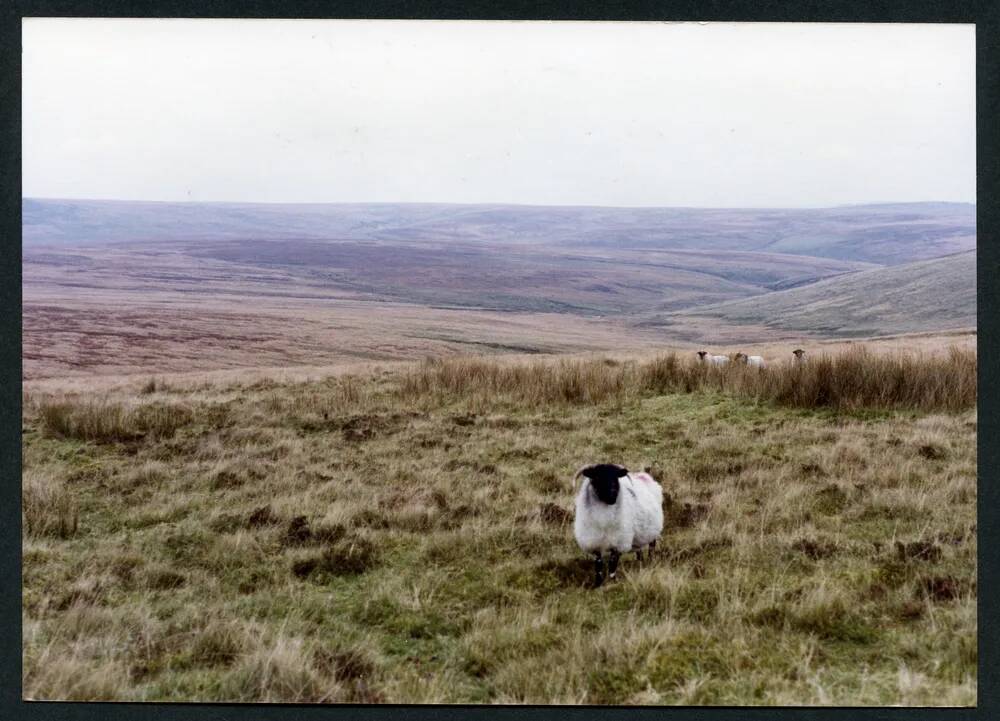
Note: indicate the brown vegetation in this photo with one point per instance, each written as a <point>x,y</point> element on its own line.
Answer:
<point>851,380</point>
<point>404,535</point>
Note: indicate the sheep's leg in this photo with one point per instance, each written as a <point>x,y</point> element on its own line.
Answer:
<point>613,563</point>
<point>652,547</point>
<point>598,568</point>
<point>638,555</point>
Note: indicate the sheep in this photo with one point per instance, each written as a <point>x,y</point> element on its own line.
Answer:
<point>715,360</point>
<point>616,511</point>
<point>754,361</point>
<point>800,355</point>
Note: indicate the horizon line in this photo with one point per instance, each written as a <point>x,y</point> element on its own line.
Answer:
<point>502,204</point>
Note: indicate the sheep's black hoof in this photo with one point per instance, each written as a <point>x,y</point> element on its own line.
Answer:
<point>613,564</point>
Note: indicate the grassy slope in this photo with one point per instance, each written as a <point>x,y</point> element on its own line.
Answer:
<point>938,294</point>
<point>437,562</point>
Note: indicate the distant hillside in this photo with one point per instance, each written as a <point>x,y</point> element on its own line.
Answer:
<point>937,294</point>
<point>887,234</point>
<point>115,287</point>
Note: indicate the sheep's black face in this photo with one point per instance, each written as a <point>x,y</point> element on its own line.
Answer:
<point>604,480</point>
<point>702,354</point>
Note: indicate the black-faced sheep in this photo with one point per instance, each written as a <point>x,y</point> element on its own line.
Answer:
<point>754,361</point>
<point>616,511</point>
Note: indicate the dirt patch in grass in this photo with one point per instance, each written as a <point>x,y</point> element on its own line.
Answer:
<point>554,515</point>
<point>812,469</point>
<point>352,668</point>
<point>367,426</point>
<point>297,532</point>
<point>345,558</point>
<point>678,515</point>
<point>944,588</point>
<point>932,452</point>
<point>910,611</point>
<point>918,551</point>
<point>816,548</point>
<point>227,478</point>
<point>261,516</point>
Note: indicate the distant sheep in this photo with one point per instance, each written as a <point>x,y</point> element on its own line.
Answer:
<point>754,361</point>
<point>616,512</point>
<point>800,355</point>
<point>715,360</point>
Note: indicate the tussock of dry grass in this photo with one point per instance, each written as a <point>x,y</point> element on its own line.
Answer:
<point>406,537</point>
<point>47,506</point>
<point>851,380</point>
<point>104,422</point>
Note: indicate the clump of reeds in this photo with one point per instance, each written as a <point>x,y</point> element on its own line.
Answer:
<point>47,507</point>
<point>860,379</point>
<point>851,380</point>
<point>566,381</point>
<point>103,422</point>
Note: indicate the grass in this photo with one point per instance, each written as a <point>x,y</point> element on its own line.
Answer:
<point>406,537</point>
<point>851,380</point>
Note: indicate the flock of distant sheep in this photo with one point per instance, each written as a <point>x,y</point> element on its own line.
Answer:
<point>618,511</point>
<point>754,361</point>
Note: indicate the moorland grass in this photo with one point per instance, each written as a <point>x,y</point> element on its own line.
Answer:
<point>856,379</point>
<point>406,537</point>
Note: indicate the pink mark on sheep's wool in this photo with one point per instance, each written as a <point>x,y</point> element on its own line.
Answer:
<point>645,477</point>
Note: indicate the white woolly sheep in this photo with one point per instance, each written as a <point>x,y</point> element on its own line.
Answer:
<point>754,361</point>
<point>616,512</point>
<point>715,360</point>
<point>800,355</point>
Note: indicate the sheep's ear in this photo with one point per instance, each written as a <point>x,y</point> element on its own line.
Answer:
<point>622,471</point>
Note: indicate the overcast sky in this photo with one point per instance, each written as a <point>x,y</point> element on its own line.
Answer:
<point>628,114</point>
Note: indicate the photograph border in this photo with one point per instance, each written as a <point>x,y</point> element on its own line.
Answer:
<point>986,16</point>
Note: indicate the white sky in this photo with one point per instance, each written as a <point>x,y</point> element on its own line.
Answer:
<point>628,114</point>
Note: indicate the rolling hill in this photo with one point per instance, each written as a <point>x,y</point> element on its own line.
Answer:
<point>934,294</point>
<point>115,286</point>
<point>886,234</point>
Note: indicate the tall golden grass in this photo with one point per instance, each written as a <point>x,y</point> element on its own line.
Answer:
<point>102,422</point>
<point>805,559</point>
<point>852,380</point>
<point>47,507</point>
